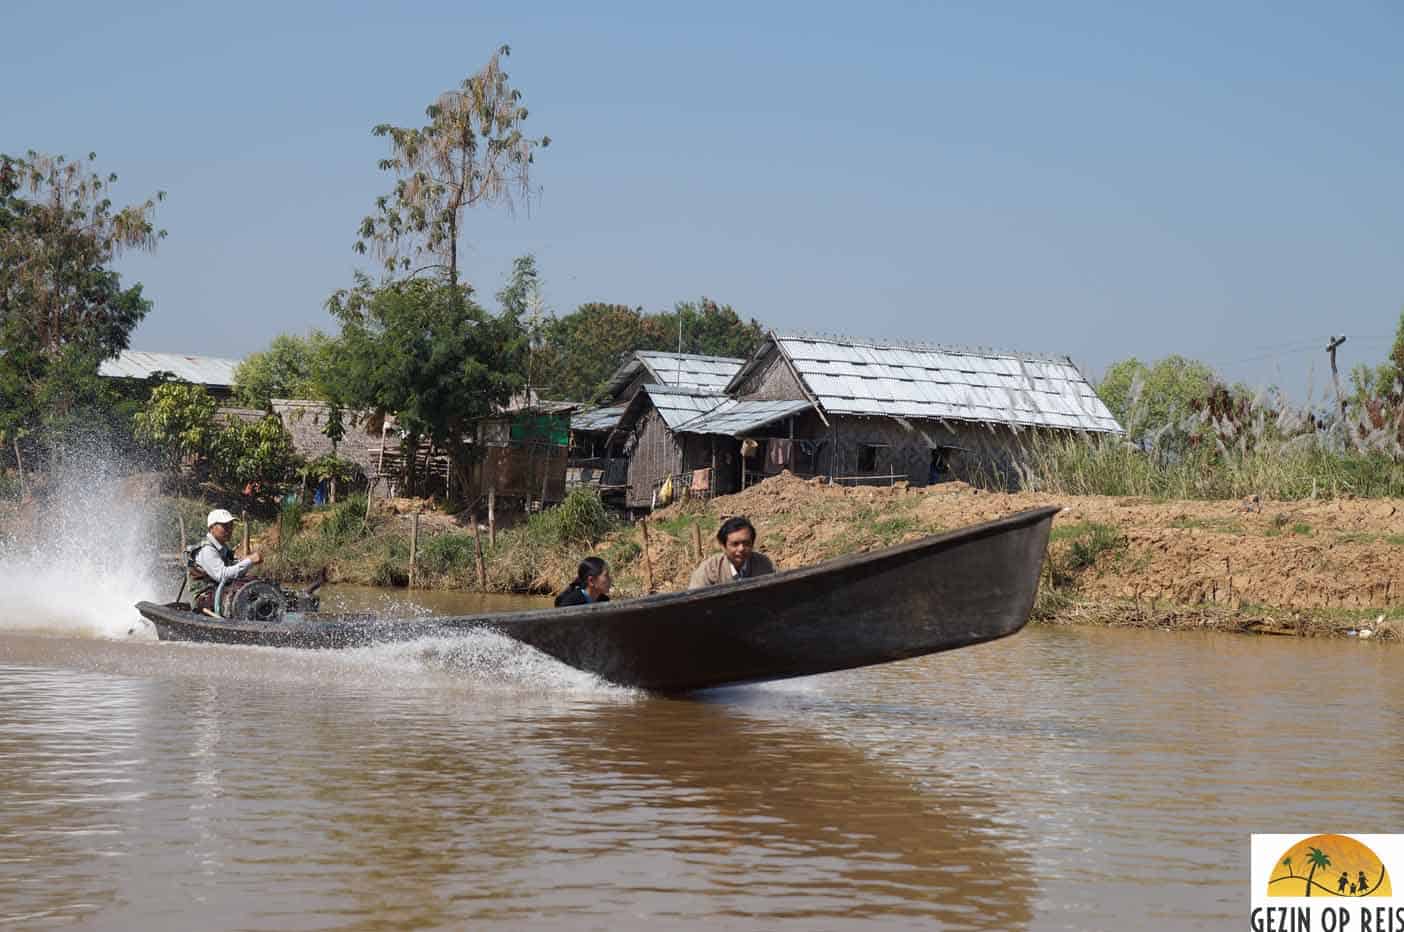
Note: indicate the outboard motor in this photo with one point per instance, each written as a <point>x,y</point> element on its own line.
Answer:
<point>256,600</point>
<point>262,600</point>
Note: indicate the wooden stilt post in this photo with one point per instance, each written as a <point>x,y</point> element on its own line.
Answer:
<point>648,557</point>
<point>697,540</point>
<point>478,545</point>
<point>414,549</point>
<point>244,520</point>
<point>19,467</point>
<point>492,516</point>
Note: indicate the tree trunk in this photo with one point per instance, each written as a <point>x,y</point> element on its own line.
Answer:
<point>1308,879</point>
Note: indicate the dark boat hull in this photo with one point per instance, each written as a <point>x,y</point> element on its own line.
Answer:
<point>944,592</point>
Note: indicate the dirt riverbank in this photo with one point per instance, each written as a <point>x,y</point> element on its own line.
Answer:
<point>1276,567</point>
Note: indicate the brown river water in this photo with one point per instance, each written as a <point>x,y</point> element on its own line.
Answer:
<point>1061,779</point>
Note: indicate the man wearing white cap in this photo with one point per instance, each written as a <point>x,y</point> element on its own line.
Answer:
<point>214,561</point>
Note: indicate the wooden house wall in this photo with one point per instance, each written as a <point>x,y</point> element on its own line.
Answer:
<point>519,471</point>
<point>772,380</point>
<point>656,454</point>
<point>627,393</point>
<point>987,453</point>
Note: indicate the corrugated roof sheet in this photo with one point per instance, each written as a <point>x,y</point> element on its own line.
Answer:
<point>597,419</point>
<point>201,370</point>
<point>710,373</point>
<point>733,418</point>
<point>863,378</point>
<point>680,405</point>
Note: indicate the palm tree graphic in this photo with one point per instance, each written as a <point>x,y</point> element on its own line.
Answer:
<point>1316,858</point>
<point>1287,863</point>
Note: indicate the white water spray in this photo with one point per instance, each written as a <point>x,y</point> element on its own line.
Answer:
<point>79,558</point>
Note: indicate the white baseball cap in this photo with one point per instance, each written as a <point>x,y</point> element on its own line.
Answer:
<point>219,516</point>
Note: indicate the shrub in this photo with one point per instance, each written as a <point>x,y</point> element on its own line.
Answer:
<point>345,520</point>
<point>447,553</point>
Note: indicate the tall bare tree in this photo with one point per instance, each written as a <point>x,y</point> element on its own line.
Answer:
<point>56,248</point>
<point>473,151</point>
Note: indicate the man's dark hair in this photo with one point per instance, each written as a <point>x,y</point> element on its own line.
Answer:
<point>732,525</point>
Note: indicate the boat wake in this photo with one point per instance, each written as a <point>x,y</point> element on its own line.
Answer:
<point>486,659</point>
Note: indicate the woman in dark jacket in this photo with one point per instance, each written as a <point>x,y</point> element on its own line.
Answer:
<point>591,584</point>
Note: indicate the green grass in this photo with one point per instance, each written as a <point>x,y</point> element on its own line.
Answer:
<point>1302,528</point>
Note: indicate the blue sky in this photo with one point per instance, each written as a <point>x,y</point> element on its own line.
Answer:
<point>1217,180</point>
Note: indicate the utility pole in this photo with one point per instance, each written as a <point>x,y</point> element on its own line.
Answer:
<point>1335,376</point>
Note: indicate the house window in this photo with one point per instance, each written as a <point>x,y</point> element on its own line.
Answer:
<point>868,457</point>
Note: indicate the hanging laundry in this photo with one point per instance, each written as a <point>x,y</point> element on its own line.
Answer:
<point>702,480</point>
<point>779,456</point>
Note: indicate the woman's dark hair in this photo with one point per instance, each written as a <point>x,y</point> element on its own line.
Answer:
<point>732,525</point>
<point>590,566</point>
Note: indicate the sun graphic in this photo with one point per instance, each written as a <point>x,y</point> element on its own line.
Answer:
<point>1328,865</point>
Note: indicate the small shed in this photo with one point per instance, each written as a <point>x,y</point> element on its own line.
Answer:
<point>522,454</point>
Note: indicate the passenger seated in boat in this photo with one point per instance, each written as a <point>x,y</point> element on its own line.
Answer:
<point>591,584</point>
<point>211,562</point>
<point>738,559</point>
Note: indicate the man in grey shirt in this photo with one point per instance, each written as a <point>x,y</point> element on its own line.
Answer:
<point>214,562</point>
<point>738,559</point>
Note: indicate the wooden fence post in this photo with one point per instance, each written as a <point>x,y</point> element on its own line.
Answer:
<point>492,516</point>
<point>697,539</point>
<point>648,558</point>
<point>414,548</point>
<point>478,545</point>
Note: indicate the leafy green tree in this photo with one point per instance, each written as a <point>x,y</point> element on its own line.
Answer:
<point>1385,382</point>
<point>584,348</point>
<point>179,420</point>
<point>424,351</point>
<point>259,452</point>
<point>1147,399</point>
<point>710,329</point>
<point>1316,858</point>
<point>289,368</point>
<point>62,308</point>
<point>473,151</point>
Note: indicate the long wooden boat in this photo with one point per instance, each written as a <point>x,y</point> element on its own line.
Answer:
<point>940,593</point>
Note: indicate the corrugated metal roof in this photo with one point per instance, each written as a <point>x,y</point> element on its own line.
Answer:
<point>201,370</point>
<point>866,378</point>
<point>734,418</point>
<point>597,419</point>
<point>680,405</point>
<point>685,370</point>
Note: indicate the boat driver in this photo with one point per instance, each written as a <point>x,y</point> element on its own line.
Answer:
<point>738,559</point>
<point>213,562</point>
